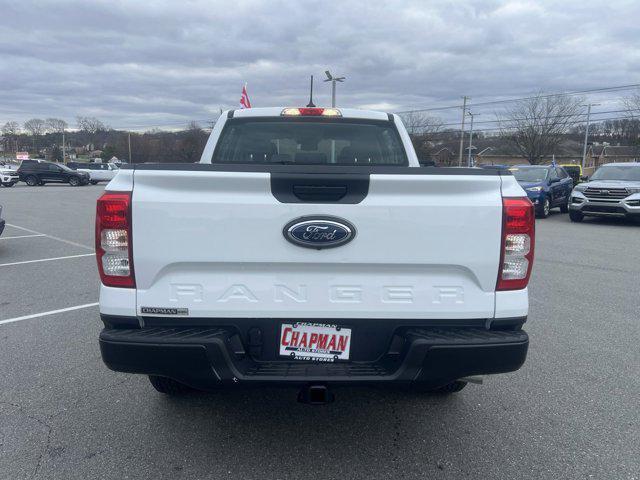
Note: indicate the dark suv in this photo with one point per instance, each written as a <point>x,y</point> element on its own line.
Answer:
<point>38,172</point>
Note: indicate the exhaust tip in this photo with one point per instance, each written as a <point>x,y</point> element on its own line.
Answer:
<point>316,395</point>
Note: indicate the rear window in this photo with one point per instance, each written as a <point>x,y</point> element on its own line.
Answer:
<point>309,141</point>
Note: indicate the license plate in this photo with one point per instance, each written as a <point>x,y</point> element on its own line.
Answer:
<point>315,341</point>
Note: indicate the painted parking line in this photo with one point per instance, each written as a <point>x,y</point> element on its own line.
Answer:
<point>47,259</point>
<point>51,312</point>
<point>69,242</point>
<point>23,236</point>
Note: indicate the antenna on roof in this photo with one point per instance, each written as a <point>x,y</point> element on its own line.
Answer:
<point>311,104</point>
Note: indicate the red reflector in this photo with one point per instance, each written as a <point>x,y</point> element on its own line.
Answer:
<point>518,222</point>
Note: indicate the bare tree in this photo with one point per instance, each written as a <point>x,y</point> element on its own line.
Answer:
<point>421,129</point>
<point>11,131</point>
<point>91,125</point>
<point>56,125</point>
<point>632,124</point>
<point>418,123</point>
<point>535,126</point>
<point>36,127</point>
<point>191,143</point>
<point>632,104</point>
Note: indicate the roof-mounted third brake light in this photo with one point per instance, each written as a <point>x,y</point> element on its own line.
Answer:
<point>311,112</point>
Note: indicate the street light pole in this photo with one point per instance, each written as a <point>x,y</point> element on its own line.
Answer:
<point>464,112</point>
<point>333,93</point>
<point>130,160</point>
<point>586,132</point>
<point>333,80</point>
<point>470,138</point>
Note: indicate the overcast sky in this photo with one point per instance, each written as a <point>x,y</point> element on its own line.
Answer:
<point>163,63</point>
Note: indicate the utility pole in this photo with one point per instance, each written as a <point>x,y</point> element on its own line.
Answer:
<point>471,138</point>
<point>464,112</point>
<point>63,145</point>
<point>586,132</point>
<point>130,160</point>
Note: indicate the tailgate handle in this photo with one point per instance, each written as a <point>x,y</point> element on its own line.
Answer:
<point>319,192</point>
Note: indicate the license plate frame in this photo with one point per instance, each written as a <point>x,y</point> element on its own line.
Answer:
<point>315,342</point>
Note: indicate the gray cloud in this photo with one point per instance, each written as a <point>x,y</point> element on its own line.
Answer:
<point>149,63</point>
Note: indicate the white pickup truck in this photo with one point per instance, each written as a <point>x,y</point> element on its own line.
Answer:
<point>98,172</point>
<point>309,248</point>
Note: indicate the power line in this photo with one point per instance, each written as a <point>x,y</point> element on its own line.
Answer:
<point>523,119</point>
<point>454,133</point>
<point>530,97</point>
<point>431,109</point>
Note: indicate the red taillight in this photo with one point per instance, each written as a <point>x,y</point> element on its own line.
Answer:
<point>517,243</point>
<point>114,249</point>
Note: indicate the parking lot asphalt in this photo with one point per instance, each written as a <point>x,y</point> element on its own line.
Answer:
<point>570,412</point>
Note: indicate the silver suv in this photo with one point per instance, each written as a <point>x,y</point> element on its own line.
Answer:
<point>612,191</point>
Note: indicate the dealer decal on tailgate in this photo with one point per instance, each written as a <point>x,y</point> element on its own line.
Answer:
<point>315,341</point>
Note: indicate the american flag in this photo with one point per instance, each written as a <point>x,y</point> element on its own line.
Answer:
<point>244,99</point>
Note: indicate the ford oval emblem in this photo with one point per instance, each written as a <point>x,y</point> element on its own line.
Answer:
<point>319,232</point>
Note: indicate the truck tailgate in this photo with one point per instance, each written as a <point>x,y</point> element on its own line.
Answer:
<point>211,244</point>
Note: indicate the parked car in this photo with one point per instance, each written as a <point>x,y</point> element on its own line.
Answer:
<point>499,168</point>
<point>365,272</point>
<point>38,172</point>
<point>2,222</point>
<point>547,186</point>
<point>574,171</point>
<point>612,191</point>
<point>98,172</point>
<point>8,178</point>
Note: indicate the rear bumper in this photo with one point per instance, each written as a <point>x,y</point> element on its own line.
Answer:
<point>207,357</point>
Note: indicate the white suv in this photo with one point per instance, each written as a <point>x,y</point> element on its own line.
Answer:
<point>612,191</point>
